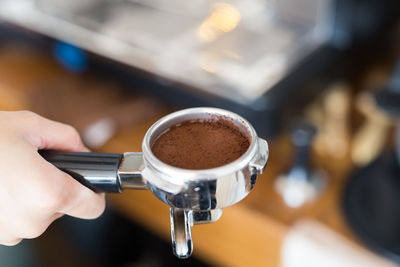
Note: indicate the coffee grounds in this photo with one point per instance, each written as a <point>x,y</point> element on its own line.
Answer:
<point>201,145</point>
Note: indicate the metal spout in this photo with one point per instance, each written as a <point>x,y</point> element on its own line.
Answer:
<point>181,224</point>
<point>181,233</point>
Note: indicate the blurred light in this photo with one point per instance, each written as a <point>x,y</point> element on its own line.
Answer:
<point>208,68</point>
<point>294,197</point>
<point>231,54</point>
<point>296,189</point>
<point>209,61</point>
<point>223,19</point>
<point>99,132</point>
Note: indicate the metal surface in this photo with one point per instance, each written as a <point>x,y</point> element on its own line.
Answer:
<point>201,217</point>
<point>201,190</point>
<point>195,196</point>
<point>129,171</point>
<point>181,221</point>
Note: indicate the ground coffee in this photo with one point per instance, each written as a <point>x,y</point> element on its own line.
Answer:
<point>201,145</point>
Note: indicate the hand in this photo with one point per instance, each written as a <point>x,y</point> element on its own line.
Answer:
<point>34,193</point>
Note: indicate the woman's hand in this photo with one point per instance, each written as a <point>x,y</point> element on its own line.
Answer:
<point>34,193</point>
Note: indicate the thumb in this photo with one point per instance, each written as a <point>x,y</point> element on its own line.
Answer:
<point>47,134</point>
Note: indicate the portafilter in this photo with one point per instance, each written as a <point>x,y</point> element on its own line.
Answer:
<point>194,196</point>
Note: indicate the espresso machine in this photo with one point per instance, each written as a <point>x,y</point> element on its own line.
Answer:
<point>194,196</point>
<point>248,56</point>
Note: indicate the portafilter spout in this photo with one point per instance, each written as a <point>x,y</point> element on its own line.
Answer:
<point>194,196</point>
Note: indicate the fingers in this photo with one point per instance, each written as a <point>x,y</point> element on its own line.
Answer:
<point>7,237</point>
<point>25,226</point>
<point>47,134</point>
<point>50,197</point>
<point>31,225</point>
<point>34,193</point>
<point>89,206</point>
<point>50,191</point>
<point>10,242</point>
<point>69,196</point>
<point>79,201</point>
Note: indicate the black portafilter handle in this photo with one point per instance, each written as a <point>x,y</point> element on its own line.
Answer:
<point>96,171</point>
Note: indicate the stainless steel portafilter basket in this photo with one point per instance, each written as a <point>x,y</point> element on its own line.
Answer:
<point>194,196</point>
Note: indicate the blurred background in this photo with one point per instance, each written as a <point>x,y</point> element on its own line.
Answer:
<point>319,79</point>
